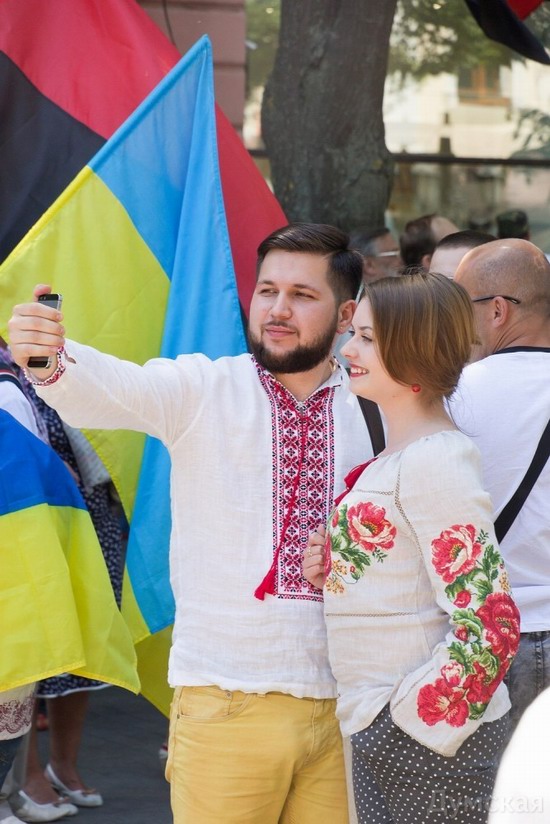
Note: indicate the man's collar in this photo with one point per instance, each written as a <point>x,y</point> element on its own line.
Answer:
<point>508,349</point>
<point>336,378</point>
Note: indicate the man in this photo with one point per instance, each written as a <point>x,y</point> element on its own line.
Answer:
<point>451,249</point>
<point>259,446</point>
<point>503,403</point>
<point>513,223</point>
<point>381,257</point>
<point>421,236</point>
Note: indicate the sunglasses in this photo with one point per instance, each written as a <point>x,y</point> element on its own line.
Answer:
<point>492,297</point>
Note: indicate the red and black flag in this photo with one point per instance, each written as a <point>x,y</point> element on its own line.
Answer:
<point>523,8</point>
<point>500,21</point>
<point>71,72</point>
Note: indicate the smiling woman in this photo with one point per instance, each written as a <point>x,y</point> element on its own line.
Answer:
<point>412,572</point>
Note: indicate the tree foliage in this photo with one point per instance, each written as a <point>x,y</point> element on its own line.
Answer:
<point>435,36</point>
<point>263,21</point>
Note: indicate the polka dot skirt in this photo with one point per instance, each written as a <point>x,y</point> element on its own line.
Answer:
<point>396,780</point>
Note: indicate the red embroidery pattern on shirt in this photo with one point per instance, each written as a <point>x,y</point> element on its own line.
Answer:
<point>15,716</point>
<point>313,501</point>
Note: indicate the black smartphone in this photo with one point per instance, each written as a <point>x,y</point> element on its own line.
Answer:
<point>54,300</point>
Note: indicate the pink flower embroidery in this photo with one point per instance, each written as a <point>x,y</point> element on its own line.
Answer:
<point>442,702</point>
<point>462,599</point>
<point>462,633</point>
<point>500,618</point>
<point>455,552</point>
<point>452,673</point>
<point>369,527</point>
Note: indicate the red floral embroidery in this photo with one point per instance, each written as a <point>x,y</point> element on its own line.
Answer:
<point>455,552</point>
<point>442,702</point>
<point>369,527</point>
<point>462,633</point>
<point>462,599</point>
<point>486,638</point>
<point>481,685</point>
<point>500,617</point>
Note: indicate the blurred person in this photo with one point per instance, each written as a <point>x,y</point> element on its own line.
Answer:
<point>503,403</point>
<point>380,250</point>
<point>38,796</point>
<point>421,624</point>
<point>256,443</point>
<point>27,459</point>
<point>16,705</point>
<point>522,790</point>
<point>420,237</point>
<point>513,223</point>
<point>451,249</point>
<point>67,696</point>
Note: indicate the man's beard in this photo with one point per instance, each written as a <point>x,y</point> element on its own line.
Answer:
<point>300,359</point>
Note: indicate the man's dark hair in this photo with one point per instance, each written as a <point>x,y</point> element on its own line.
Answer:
<point>417,240</point>
<point>363,239</point>
<point>345,265</point>
<point>468,237</point>
<point>513,223</point>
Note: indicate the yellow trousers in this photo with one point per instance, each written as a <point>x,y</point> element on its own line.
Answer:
<point>244,758</point>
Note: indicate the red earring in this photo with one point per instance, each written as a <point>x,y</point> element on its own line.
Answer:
<point>416,387</point>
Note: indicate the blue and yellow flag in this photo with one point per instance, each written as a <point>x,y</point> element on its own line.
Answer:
<point>139,247</point>
<point>57,608</point>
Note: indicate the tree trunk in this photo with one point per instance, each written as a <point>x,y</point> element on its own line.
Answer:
<point>322,111</point>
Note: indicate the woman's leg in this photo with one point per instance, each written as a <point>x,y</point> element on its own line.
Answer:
<point>36,786</point>
<point>8,750</point>
<point>67,714</point>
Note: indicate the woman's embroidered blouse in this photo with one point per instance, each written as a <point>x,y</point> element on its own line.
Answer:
<point>417,600</point>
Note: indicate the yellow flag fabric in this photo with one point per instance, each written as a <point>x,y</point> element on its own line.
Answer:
<point>57,608</point>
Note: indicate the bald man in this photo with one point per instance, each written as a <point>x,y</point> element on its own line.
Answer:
<point>503,403</point>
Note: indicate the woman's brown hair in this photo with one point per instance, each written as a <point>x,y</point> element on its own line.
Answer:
<point>423,327</point>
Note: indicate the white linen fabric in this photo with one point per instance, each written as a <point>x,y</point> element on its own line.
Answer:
<point>13,400</point>
<point>503,404</point>
<point>417,594</point>
<point>16,706</point>
<point>233,433</point>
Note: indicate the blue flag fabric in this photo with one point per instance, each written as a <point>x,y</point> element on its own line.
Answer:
<point>184,224</point>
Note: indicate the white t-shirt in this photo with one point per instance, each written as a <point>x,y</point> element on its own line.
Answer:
<point>234,435</point>
<point>503,403</point>
<point>522,789</point>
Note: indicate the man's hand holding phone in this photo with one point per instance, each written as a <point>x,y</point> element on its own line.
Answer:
<point>36,332</point>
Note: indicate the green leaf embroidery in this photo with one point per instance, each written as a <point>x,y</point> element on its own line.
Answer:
<point>476,711</point>
<point>468,619</point>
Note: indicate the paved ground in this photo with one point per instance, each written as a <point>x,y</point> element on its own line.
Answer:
<point>119,756</point>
